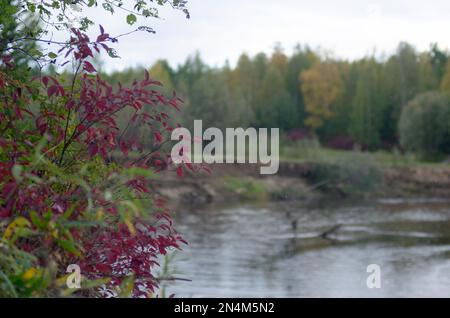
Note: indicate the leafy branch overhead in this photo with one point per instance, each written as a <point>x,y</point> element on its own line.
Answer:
<point>38,21</point>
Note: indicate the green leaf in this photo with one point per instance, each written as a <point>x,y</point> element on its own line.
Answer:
<point>52,55</point>
<point>69,246</point>
<point>37,221</point>
<point>140,172</point>
<point>19,222</point>
<point>35,52</point>
<point>17,172</point>
<point>31,7</point>
<point>22,232</point>
<point>126,287</point>
<point>48,215</point>
<point>131,19</point>
<point>108,7</point>
<point>112,53</point>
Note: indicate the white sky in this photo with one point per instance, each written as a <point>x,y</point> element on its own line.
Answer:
<point>222,30</point>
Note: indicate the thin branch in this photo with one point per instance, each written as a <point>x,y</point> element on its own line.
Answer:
<point>72,87</point>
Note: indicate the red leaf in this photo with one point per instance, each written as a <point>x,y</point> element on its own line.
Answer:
<point>61,91</point>
<point>180,171</point>
<point>88,67</point>
<point>41,125</point>
<point>45,80</point>
<point>158,136</point>
<point>81,128</point>
<point>52,90</point>
<point>102,37</point>
<point>102,268</point>
<point>70,104</point>
<point>204,167</point>
<point>93,149</point>
<point>18,112</point>
<point>123,148</point>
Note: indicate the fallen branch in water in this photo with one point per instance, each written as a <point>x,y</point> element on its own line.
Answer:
<point>173,279</point>
<point>325,235</point>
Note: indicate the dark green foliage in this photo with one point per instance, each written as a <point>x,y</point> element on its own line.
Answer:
<point>424,126</point>
<point>354,176</point>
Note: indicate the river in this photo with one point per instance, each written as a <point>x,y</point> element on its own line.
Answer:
<point>276,249</point>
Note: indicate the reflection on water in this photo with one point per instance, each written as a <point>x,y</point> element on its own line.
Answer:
<point>280,250</point>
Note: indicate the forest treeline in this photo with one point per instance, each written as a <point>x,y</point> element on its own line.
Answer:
<point>358,102</point>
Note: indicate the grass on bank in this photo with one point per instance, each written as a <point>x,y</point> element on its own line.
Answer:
<point>311,151</point>
<point>246,188</point>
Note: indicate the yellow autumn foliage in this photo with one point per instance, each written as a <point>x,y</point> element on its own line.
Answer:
<point>321,85</point>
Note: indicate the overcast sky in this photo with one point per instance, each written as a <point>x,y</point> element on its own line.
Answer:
<point>222,30</point>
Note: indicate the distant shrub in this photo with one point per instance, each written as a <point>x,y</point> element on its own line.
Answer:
<point>424,126</point>
<point>288,193</point>
<point>357,175</point>
<point>341,143</point>
<point>299,134</point>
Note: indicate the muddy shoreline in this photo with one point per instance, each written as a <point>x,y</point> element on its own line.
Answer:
<point>242,182</point>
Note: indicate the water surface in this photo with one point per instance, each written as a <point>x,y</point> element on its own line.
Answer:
<point>275,249</point>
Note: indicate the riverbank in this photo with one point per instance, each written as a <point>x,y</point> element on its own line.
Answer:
<point>304,181</point>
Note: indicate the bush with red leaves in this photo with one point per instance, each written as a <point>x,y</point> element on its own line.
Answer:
<point>64,199</point>
<point>341,143</point>
<point>299,134</point>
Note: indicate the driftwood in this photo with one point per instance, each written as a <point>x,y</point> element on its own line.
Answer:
<point>325,235</point>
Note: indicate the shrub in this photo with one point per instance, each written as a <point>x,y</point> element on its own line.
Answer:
<point>63,198</point>
<point>341,143</point>
<point>424,126</point>
<point>357,175</point>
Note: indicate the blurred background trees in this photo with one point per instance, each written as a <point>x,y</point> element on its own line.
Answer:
<point>339,102</point>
